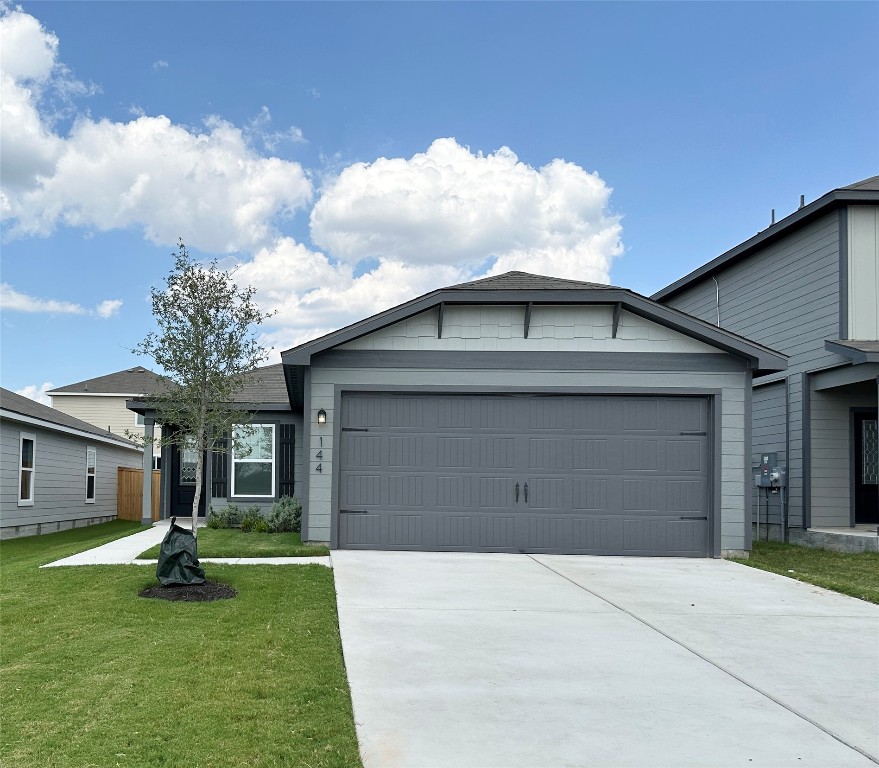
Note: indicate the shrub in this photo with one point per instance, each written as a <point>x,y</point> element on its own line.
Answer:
<point>285,515</point>
<point>252,520</point>
<point>228,517</point>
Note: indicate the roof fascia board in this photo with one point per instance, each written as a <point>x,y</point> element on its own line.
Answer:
<point>807,213</point>
<point>95,394</point>
<point>50,425</point>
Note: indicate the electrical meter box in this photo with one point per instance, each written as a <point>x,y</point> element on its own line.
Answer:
<point>769,474</point>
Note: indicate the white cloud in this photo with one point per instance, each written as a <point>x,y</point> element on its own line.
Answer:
<point>206,185</point>
<point>108,308</point>
<point>15,301</point>
<point>313,296</point>
<point>160,64</point>
<point>451,206</point>
<point>37,392</point>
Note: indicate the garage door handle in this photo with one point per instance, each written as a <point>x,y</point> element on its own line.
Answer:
<point>354,511</point>
<point>355,429</point>
<point>526,493</point>
<point>696,434</point>
<point>517,493</point>
<point>684,517</point>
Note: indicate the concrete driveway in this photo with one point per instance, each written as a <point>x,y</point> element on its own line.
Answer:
<point>516,660</point>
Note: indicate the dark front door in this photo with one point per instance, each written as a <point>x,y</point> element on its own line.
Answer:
<point>866,468</point>
<point>183,483</point>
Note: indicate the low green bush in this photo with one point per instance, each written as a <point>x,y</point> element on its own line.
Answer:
<point>227,517</point>
<point>285,515</point>
<point>252,520</point>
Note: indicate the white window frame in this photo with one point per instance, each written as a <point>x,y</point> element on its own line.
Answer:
<point>254,461</point>
<point>22,436</point>
<point>138,420</point>
<point>91,452</point>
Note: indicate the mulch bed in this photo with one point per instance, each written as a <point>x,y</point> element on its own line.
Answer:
<point>191,593</point>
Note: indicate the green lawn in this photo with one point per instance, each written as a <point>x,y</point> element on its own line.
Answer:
<point>852,574</point>
<point>93,675</point>
<point>230,542</point>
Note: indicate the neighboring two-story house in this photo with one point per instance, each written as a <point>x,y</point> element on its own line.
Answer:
<point>808,287</point>
<point>101,401</point>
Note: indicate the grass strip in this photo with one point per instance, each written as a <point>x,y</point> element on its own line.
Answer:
<point>856,575</point>
<point>93,675</point>
<point>231,542</point>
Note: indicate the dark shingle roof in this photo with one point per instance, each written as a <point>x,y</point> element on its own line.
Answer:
<point>264,385</point>
<point>525,281</point>
<point>867,185</point>
<point>132,381</point>
<point>24,406</point>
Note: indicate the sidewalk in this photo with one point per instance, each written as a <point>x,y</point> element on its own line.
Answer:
<point>124,551</point>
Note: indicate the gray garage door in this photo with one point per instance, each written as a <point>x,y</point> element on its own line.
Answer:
<point>525,473</point>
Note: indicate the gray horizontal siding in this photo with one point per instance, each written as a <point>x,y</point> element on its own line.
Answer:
<point>785,296</point>
<point>59,477</point>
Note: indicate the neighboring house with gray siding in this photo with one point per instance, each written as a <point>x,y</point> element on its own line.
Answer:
<point>808,287</point>
<point>101,400</point>
<point>56,471</point>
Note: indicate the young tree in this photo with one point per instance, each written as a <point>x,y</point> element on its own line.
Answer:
<point>206,348</point>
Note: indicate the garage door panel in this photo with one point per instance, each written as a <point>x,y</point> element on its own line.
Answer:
<point>605,475</point>
<point>590,453</point>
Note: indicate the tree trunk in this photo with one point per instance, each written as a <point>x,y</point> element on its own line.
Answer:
<point>199,473</point>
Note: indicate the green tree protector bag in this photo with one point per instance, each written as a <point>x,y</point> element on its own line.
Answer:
<point>178,558</point>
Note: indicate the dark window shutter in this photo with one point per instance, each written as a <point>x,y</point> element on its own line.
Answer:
<point>220,473</point>
<point>285,460</point>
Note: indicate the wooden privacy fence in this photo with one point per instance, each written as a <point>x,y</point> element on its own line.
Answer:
<point>129,493</point>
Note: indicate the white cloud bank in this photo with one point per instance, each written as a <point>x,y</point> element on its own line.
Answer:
<point>404,226</point>
<point>206,184</point>
<point>37,392</point>
<point>15,301</point>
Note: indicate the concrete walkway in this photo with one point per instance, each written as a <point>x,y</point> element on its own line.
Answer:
<point>125,551</point>
<point>514,660</point>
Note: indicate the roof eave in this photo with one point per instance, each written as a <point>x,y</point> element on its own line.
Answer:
<point>857,356</point>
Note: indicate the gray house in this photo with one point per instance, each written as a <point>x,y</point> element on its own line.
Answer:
<point>527,413</point>
<point>56,471</point>
<point>808,286</point>
<point>514,413</point>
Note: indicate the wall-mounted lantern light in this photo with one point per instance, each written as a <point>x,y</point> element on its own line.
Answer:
<point>321,416</point>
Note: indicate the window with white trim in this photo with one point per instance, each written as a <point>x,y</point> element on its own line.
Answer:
<point>91,467</point>
<point>188,461</point>
<point>26,449</point>
<point>138,420</point>
<point>253,460</point>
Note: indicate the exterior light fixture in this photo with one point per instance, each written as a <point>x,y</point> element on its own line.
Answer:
<point>321,416</point>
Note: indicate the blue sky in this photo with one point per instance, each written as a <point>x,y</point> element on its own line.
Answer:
<point>347,157</point>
